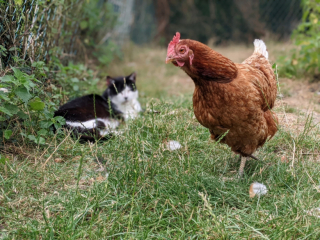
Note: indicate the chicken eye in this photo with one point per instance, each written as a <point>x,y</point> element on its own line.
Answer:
<point>182,50</point>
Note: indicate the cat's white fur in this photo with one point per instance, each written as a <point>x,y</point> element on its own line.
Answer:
<point>110,124</point>
<point>127,102</point>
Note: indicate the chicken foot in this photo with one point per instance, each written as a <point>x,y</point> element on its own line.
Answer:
<point>243,163</point>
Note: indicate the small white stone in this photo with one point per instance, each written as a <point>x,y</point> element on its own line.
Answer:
<point>315,212</point>
<point>257,189</point>
<point>173,145</point>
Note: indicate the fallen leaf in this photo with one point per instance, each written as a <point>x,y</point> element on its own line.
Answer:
<point>100,178</point>
<point>284,159</point>
<point>58,160</point>
<point>76,158</point>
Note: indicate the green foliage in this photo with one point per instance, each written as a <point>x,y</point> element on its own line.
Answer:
<point>27,104</point>
<point>305,59</point>
<point>30,99</point>
<point>75,80</point>
<point>98,20</point>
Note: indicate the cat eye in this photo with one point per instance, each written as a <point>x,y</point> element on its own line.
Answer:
<point>182,50</point>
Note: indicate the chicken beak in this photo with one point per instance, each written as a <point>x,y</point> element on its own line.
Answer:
<point>169,59</point>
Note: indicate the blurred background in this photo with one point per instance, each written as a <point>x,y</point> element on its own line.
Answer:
<point>117,37</point>
<point>74,25</point>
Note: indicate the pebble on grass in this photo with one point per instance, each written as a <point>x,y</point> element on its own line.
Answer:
<point>257,189</point>
<point>173,145</point>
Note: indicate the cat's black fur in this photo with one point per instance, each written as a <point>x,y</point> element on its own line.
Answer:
<point>88,107</point>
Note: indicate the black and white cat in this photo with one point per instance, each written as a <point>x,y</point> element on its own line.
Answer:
<point>93,116</point>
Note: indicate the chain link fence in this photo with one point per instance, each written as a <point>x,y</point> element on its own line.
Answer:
<point>31,30</point>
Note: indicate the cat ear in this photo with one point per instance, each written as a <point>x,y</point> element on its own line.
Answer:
<point>132,77</point>
<point>110,81</point>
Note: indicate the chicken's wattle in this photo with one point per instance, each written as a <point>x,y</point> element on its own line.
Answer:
<point>180,63</point>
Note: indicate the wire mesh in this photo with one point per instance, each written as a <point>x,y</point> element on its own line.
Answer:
<point>30,30</point>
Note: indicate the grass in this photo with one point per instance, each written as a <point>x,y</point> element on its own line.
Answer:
<point>133,187</point>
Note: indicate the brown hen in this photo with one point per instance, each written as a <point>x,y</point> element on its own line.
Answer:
<point>229,97</point>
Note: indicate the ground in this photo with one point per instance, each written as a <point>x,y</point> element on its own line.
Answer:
<point>134,187</point>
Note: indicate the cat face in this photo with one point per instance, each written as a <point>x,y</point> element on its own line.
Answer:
<point>122,90</point>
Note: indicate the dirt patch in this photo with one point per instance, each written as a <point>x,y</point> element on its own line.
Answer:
<point>301,94</point>
<point>302,98</point>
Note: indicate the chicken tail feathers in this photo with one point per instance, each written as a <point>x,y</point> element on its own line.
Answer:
<point>260,48</point>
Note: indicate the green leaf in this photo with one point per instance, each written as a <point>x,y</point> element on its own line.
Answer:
<point>41,140</point>
<point>74,80</point>
<point>45,124</point>
<point>36,104</point>
<point>22,115</point>
<point>3,159</point>
<point>32,138</point>
<point>18,74</point>
<point>9,109</point>
<point>4,96</point>
<point>23,94</point>
<point>57,125</point>
<point>48,114</point>
<point>42,132</point>
<point>19,2</point>
<point>83,24</point>
<point>8,78</point>
<point>7,134</point>
<point>76,88</point>
<point>38,64</point>
<point>60,119</point>
<point>6,111</point>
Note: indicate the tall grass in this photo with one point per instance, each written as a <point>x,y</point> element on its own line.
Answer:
<point>134,187</point>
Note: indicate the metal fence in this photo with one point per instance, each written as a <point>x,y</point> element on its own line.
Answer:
<point>30,30</point>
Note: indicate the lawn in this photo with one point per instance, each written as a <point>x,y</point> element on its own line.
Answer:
<point>134,187</point>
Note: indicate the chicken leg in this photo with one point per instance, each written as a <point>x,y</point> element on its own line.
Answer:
<point>242,164</point>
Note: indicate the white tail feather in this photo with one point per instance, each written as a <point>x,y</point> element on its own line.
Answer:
<point>260,48</point>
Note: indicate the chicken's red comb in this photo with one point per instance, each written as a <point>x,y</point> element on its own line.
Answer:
<point>171,45</point>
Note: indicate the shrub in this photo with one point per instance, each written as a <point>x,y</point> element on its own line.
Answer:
<point>305,59</point>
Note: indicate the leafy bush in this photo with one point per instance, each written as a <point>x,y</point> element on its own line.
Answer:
<point>29,97</point>
<point>75,80</point>
<point>305,59</point>
<point>26,107</point>
<point>98,20</point>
